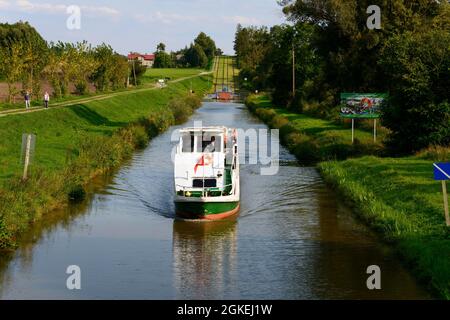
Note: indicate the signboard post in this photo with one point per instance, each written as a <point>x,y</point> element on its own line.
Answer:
<point>362,106</point>
<point>28,143</point>
<point>442,173</point>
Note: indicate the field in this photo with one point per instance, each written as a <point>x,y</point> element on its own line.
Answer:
<point>152,74</point>
<point>225,73</point>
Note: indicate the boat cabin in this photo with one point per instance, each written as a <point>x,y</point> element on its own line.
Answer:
<point>204,160</point>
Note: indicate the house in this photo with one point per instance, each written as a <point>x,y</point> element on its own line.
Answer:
<point>146,59</point>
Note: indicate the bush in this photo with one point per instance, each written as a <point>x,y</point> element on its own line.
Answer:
<point>435,153</point>
<point>303,147</point>
<point>77,193</point>
<point>181,110</point>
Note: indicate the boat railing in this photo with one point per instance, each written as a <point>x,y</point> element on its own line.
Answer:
<point>204,192</point>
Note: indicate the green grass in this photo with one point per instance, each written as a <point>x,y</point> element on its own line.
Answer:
<point>56,129</point>
<point>149,78</point>
<point>397,197</point>
<point>224,72</point>
<point>153,74</point>
<point>400,199</point>
<point>75,142</point>
<point>313,139</point>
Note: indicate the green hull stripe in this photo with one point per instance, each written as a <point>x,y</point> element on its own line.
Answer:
<point>205,208</point>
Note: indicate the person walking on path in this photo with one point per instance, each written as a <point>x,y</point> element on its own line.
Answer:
<point>46,99</point>
<point>27,100</point>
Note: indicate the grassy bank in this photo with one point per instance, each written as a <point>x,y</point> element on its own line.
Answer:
<point>148,80</point>
<point>397,197</point>
<point>77,142</point>
<point>312,139</point>
<point>400,200</point>
<point>154,74</point>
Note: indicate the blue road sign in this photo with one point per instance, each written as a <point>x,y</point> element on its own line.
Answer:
<point>441,171</point>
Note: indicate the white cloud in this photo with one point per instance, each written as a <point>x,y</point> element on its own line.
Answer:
<point>4,4</point>
<point>242,20</point>
<point>166,18</point>
<point>172,18</point>
<point>29,6</point>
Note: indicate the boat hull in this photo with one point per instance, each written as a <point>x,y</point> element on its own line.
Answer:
<point>206,210</point>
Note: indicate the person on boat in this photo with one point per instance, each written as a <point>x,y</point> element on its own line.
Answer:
<point>211,147</point>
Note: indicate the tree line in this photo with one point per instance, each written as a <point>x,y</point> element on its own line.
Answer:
<point>199,54</point>
<point>335,51</point>
<point>27,58</point>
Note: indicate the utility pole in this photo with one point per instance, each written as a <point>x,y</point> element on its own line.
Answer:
<point>134,73</point>
<point>293,71</point>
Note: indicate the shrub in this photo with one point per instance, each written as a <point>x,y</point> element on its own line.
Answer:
<point>77,193</point>
<point>278,122</point>
<point>181,110</point>
<point>303,147</point>
<point>435,153</point>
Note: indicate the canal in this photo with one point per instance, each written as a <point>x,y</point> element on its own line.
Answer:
<point>293,238</point>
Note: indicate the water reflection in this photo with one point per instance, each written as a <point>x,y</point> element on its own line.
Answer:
<point>204,258</point>
<point>45,231</point>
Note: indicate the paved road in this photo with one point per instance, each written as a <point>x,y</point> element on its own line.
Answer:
<point>94,98</point>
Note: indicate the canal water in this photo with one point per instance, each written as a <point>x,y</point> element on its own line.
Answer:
<point>293,238</point>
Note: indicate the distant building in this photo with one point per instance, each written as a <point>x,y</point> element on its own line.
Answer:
<point>146,59</point>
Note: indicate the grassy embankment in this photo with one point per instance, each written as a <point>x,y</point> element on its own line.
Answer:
<point>77,142</point>
<point>152,75</point>
<point>148,79</point>
<point>397,197</point>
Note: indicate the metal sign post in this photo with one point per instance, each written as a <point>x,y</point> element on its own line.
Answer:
<point>442,173</point>
<point>353,130</point>
<point>374,130</point>
<point>28,143</point>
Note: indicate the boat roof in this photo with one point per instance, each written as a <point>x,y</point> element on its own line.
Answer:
<point>218,129</point>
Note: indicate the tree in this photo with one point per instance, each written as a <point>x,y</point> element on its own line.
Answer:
<point>82,64</point>
<point>119,72</point>
<point>104,55</point>
<point>161,47</point>
<point>196,57</point>
<point>12,67</point>
<point>207,44</point>
<point>137,70</point>
<point>162,60</point>
<point>418,68</point>
<point>33,52</point>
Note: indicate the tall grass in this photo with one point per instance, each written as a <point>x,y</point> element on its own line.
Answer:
<point>399,199</point>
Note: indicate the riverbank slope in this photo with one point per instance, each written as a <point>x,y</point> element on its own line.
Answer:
<point>76,142</point>
<point>397,197</point>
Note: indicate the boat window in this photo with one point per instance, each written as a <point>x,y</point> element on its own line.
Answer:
<point>188,142</point>
<point>210,143</point>
<point>208,183</point>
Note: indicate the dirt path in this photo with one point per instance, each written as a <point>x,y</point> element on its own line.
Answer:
<point>95,98</point>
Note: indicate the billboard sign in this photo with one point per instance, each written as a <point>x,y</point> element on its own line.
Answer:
<point>362,105</point>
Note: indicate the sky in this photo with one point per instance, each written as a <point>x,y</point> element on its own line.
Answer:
<point>139,25</point>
